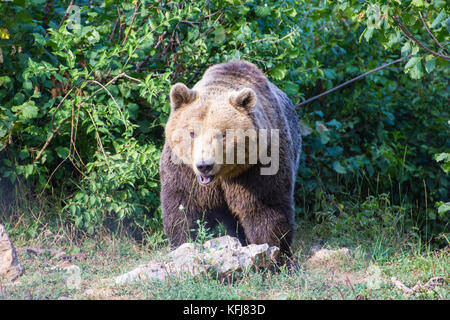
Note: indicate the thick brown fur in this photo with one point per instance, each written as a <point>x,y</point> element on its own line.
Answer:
<point>256,208</point>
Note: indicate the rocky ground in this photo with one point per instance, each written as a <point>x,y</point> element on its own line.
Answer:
<point>219,268</point>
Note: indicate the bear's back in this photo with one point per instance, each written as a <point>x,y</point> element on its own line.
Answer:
<point>234,75</point>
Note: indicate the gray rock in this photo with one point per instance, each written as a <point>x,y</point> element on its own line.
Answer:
<point>147,272</point>
<point>187,258</point>
<point>223,242</point>
<point>89,292</point>
<point>9,263</point>
<point>220,256</point>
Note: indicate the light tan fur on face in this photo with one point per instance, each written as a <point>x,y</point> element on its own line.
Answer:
<point>208,118</point>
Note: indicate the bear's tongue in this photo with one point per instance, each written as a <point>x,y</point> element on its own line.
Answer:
<point>204,180</point>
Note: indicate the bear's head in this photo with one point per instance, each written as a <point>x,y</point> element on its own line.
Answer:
<point>212,131</point>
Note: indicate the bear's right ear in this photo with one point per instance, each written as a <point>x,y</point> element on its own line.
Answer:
<point>180,95</point>
<point>243,100</point>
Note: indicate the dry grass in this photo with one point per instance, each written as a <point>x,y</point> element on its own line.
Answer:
<point>321,275</point>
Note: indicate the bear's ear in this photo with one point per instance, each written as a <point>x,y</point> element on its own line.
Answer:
<point>243,100</point>
<point>180,95</point>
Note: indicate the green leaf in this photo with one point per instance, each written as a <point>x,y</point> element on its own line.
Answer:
<point>78,219</point>
<point>416,72</point>
<point>362,35</point>
<point>334,123</point>
<point>291,12</point>
<point>92,201</point>
<point>62,152</point>
<point>28,170</point>
<point>5,81</point>
<point>443,157</point>
<point>262,11</point>
<point>339,168</point>
<point>219,34</point>
<point>279,72</point>
<point>394,37</point>
<point>27,110</point>
<point>75,250</point>
<point>406,48</point>
<point>39,39</point>
<point>27,85</point>
<point>443,208</point>
<point>324,137</point>
<point>291,88</point>
<point>430,63</point>
<point>441,16</point>
<point>368,34</point>
<point>412,62</point>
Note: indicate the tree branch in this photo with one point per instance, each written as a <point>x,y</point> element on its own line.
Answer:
<point>411,37</point>
<point>111,36</point>
<point>66,14</point>
<point>430,33</point>
<point>352,80</point>
<point>132,21</point>
<point>50,138</point>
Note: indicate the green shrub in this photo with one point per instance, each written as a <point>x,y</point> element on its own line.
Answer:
<point>83,105</point>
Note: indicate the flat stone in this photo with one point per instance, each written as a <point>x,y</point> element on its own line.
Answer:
<point>223,242</point>
<point>220,256</point>
<point>148,272</point>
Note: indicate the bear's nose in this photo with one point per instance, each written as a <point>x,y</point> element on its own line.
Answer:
<point>204,167</point>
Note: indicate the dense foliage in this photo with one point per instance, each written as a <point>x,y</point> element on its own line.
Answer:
<point>83,101</point>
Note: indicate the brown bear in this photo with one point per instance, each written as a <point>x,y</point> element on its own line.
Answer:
<point>233,112</point>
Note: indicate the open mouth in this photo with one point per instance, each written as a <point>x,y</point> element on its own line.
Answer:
<point>204,179</point>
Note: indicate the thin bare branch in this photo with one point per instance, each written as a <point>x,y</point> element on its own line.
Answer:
<point>99,140</point>
<point>111,36</point>
<point>50,138</point>
<point>411,37</point>
<point>352,80</point>
<point>132,21</point>
<point>8,136</point>
<point>66,14</point>
<point>120,75</point>
<point>103,87</point>
<point>419,287</point>
<point>431,33</point>
<point>114,100</point>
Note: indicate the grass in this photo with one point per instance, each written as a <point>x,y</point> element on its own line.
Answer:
<point>102,258</point>
<point>374,231</point>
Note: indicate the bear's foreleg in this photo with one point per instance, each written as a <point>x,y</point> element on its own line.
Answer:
<point>271,225</point>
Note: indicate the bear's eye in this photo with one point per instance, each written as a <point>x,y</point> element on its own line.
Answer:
<point>221,135</point>
<point>192,134</point>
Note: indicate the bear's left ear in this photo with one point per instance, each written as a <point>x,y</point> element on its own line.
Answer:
<point>243,100</point>
<point>180,95</point>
